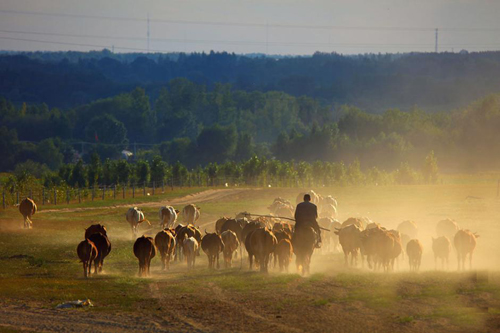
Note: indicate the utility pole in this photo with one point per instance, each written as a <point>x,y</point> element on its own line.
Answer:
<point>148,32</point>
<point>267,38</point>
<point>436,47</point>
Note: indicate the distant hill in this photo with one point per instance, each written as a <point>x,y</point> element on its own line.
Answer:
<point>373,82</point>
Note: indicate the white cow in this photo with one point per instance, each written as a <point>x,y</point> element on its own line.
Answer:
<point>191,214</point>
<point>168,216</point>
<point>189,248</point>
<point>135,216</point>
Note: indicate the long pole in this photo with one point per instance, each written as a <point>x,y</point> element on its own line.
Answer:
<point>279,217</point>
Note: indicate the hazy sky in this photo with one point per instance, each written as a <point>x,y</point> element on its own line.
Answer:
<point>247,26</point>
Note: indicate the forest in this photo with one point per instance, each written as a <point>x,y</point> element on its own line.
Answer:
<point>372,82</point>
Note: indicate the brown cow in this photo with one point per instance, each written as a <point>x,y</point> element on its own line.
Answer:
<point>103,246</point>
<point>353,220</point>
<point>212,245</point>
<point>231,244</point>
<point>350,240</point>
<point>165,244</point>
<point>190,231</point>
<point>27,208</point>
<point>414,250</point>
<point>87,252</point>
<point>144,250</point>
<point>262,243</point>
<point>441,247</point>
<point>284,252</point>
<point>94,229</point>
<point>465,243</point>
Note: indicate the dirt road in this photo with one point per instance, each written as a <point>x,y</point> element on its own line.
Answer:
<point>204,196</point>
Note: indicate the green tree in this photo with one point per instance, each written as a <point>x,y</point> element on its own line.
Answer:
<point>143,171</point>
<point>94,169</point>
<point>106,129</point>
<point>158,169</point>
<point>79,175</point>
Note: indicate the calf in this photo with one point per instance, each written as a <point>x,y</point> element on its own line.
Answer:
<point>27,208</point>
<point>190,247</point>
<point>87,252</point>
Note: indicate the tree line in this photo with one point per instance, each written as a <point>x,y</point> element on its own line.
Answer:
<point>194,126</point>
<point>373,82</point>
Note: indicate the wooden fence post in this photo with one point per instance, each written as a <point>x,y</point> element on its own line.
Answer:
<point>79,196</point>
<point>123,194</point>
<point>144,188</point>
<point>154,187</point>
<point>163,186</point>
<point>43,195</point>
<point>133,190</point>
<point>103,192</point>
<point>55,196</point>
<point>67,196</point>
<point>114,191</point>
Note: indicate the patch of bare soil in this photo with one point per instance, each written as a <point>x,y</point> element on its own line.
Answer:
<point>36,318</point>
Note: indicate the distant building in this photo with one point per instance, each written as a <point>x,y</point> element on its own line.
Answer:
<point>126,154</point>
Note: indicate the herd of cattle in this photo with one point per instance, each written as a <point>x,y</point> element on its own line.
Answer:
<point>267,237</point>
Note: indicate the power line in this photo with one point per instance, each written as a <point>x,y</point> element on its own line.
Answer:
<point>245,24</point>
<point>203,41</point>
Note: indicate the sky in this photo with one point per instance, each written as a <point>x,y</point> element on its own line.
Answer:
<point>288,27</point>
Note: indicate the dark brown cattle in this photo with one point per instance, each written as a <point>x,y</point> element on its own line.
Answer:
<point>231,244</point>
<point>235,226</point>
<point>262,242</point>
<point>87,252</point>
<point>284,252</point>
<point>303,240</point>
<point>144,250</point>
<point>248,247</point>
<point>165,244</point>
<point>27,208</point>
<point>103,246</point>
<point>212,245</point>
<point>94,229</point>
<point>250,227</point>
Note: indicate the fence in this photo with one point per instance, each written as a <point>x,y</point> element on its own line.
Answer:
<point>59,195</point>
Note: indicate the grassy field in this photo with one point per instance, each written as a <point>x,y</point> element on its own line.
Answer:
<point>39,269</point>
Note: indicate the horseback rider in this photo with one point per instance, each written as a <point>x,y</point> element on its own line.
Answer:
<point>306,214</point>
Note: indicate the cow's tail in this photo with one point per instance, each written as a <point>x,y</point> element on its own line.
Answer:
<point>144,221</point>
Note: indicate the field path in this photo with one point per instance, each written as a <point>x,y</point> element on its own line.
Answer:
<point>204,196</point>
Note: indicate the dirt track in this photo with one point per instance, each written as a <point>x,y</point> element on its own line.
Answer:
<point>204,196</point>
